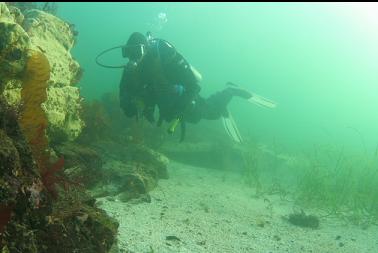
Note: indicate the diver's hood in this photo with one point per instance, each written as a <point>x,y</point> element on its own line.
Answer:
<point>134,52</point>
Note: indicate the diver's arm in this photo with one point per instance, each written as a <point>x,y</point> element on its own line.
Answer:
<point>135,99</point>
<point>130,90</point>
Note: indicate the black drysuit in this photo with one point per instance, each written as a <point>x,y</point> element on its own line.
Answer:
<point>163,78</point>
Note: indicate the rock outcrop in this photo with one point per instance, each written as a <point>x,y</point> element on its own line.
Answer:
<point>41,210</point>
<point>41,31</point>
<point>30,219</point>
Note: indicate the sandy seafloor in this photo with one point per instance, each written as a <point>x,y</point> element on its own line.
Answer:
<point>213,211</point>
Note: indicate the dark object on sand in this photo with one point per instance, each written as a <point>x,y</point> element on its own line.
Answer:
<point>172,238</point>
<point>303,220</point>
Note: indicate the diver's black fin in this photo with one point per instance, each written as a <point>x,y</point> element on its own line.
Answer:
<point>231,128</point>
<point>253,97</point>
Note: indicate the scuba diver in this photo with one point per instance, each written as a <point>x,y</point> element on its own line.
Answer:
<point>158,76</point>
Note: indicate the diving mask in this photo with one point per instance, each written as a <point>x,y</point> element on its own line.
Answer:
<point>135,52</point>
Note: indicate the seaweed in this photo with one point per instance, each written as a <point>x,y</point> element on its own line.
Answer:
<point>50,178</point>
<point>250,163</point>
<point>303,220</point>
<point>33,121</point>
<point>5,217</point>
<point>23,6</point>
<point>97,122</point>
<point>341,184</point>
<point>77,76</point>
<point>50,7</point>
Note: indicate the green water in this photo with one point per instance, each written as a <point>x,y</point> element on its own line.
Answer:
<point>318,61</point>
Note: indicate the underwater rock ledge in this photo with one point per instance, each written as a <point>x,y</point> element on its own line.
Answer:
<point>32,219</point>
<point>46,33</point>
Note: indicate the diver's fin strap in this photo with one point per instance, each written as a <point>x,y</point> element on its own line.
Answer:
<point>231,128</point>
<point>257,99</point>
<point>262,102</point>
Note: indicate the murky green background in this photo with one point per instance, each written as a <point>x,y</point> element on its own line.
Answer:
<point>319,61</point>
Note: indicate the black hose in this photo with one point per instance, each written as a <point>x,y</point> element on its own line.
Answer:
<point>109,66</point>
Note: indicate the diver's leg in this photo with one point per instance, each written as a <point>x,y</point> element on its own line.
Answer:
<point>215,106</point>
<point>234,90</point>
<point>194,113</point>
<point>217,103</point>
<point>222,98</point>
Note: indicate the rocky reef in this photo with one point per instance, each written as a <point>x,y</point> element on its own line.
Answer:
<point>57,152</point>
<point>42,209</point>
<point>40,31</point>
<point>126,162</point>
<point>31,219</point>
